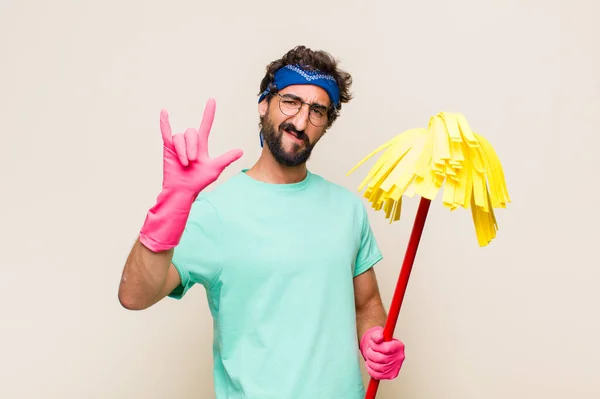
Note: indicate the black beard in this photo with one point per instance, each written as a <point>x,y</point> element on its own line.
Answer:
<point>274,139</point>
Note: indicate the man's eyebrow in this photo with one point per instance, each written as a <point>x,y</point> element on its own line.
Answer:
<point>295,97</point>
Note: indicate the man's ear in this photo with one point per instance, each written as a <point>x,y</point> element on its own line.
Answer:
<point>263,106</point>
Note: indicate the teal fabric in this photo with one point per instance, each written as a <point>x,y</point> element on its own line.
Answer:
<point>277,262</point>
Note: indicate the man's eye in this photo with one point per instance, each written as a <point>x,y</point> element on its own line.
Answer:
<point>290,102</point>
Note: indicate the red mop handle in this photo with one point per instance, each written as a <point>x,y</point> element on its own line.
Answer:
<point>409,258</point>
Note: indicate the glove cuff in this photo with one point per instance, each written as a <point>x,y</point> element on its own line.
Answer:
<point>166,220</point>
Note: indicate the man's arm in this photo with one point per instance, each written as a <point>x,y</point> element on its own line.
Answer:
<point>383,360</point>
<point>147,277</point>
<point>369,307</point>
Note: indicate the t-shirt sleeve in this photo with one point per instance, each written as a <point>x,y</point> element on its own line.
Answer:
<point>368,252</point>
<point>198,257</point>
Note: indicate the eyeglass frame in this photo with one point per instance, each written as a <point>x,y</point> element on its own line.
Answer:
<point>310,107</point>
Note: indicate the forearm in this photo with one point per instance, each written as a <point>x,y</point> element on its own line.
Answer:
<point>144,277</point>
<point>370,315</point>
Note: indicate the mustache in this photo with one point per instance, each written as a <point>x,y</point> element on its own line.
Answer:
<point>292,129</point>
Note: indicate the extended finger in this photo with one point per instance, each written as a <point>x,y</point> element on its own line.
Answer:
<point>165,129</point>
<point>179,144</point>
<point>191,144</point>
<point>226,159</point>
<point>206,125</point>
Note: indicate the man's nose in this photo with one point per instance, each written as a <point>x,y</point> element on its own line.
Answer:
<point>301,118</point>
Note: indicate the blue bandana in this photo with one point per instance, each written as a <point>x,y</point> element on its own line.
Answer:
<point>295,75</point>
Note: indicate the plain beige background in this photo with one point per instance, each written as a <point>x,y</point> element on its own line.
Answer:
<point>82,84</point>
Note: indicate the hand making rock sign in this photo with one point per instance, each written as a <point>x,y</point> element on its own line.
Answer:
<point>187,170</point>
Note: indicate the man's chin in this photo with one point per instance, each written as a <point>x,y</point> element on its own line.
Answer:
<point>290,158</point>
<point>293,149</point>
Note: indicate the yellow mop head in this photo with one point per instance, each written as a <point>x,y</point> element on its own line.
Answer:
<point>446,154</point>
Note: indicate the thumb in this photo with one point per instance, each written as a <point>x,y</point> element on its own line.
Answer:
<point>377,336</point>
<point>226,159</point>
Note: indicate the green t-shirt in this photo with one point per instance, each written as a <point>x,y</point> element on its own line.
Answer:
<point>277,262</point>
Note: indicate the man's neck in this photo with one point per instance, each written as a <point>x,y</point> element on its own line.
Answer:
<point>268,170</point>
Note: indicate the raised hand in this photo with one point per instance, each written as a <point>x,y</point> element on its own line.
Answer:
<point>187,170</point>
<point>187,164</point>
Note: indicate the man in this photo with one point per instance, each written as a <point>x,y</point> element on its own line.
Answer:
<point>286,257</point>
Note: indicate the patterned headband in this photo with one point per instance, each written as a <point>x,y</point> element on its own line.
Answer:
<point>295,75</point>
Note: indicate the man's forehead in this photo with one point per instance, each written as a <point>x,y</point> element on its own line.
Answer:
<point>308,93</point>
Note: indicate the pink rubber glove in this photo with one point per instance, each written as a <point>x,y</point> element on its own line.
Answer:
<point>187,170</point>
<point>383,359</point>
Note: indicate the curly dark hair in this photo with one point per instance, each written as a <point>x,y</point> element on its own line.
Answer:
<point>311,60</point>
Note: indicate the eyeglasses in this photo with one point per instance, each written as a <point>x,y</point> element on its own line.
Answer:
<point>290,105</point>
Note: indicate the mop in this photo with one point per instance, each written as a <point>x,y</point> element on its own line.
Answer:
<point>447,156</point>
